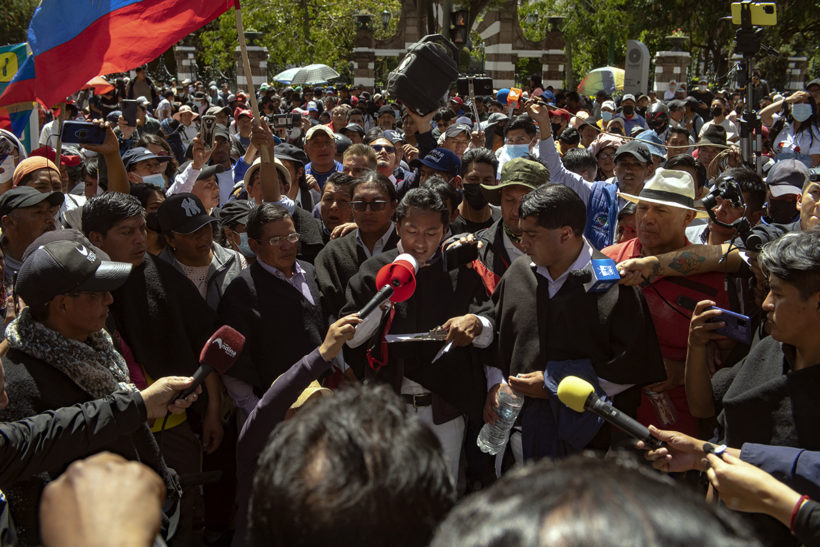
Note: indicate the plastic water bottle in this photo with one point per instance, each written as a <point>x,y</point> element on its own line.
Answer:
<point>493,437</point>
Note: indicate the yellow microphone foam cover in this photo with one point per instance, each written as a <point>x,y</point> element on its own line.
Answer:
<point>574,391</point>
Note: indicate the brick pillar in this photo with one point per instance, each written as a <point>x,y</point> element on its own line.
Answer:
<point>797,73</point>
<point>671,65</point>
<point>554,60</point>
<point>185,56</point>
<point>258,57</point>
<point>497,34</point>
<point>364,59</point>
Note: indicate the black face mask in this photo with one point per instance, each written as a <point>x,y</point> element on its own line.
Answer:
<point>629,110</point>
<point>474,196</point>
<point>556,129</point>
<point>717,111</point>
<point>781,211</point>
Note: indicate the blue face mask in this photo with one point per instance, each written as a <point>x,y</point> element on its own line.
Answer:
<point>154,180</point>
<point>801,111</point>
<point>606,116</point>
<point>517,150</point>
<point>244,247</point>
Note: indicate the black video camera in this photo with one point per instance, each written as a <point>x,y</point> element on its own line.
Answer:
<point>482,85</point>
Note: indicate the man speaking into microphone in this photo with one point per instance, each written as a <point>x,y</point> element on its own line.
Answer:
<point>558,312</point>
<point>443,388</point>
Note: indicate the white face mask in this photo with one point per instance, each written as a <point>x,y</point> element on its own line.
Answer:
<point>8,169</point>
<point>154,180</point>
<point>606,115</point>
<point>800,112</point>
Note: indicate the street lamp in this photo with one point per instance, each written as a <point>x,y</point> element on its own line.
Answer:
<point>386,15</point>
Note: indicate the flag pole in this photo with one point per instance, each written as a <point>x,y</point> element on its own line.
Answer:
<point>246,65</point>
<point>58,150</point>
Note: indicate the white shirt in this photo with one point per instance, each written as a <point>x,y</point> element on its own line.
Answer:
<point>378,247</point>
<point>808,140</point>
<point>555,284</point>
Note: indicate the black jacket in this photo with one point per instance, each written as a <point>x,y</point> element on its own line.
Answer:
<point>458,377</point>
<point>337,263</point>
<point>279,324</point>
<point>309,229</point>
<point>35,387</point>
<point>162,317</point>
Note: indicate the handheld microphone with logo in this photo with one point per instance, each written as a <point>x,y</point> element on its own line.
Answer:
<point>220,353</point>
<point>579,395</point>
<point>396,281</point>
<point>600,275</point>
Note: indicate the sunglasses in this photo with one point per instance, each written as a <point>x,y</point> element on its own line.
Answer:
<point>386,148</point>
<point>378,205</point>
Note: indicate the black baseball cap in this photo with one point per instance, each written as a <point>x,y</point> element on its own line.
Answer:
<point>354,127</point>
<point>66,266</point>
<point>26,196</point>
<point>208,171</point>
<point>138,154</point>
<point>292,153</point>
<point>636,149</point>
<point>222,131</point>
<point>235,212</point>
<point>183,214</point>
<point>457,129</point>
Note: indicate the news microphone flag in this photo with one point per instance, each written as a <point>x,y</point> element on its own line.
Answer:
<point>74,40</point>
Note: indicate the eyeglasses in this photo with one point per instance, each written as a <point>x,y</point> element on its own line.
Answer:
<point>377,205</point>
<point>607,156</point>
<point>386,148</point>
<point>278,240</point>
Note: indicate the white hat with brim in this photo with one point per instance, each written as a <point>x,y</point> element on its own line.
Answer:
<point>185,109</point>
<point>669,187</point>
<point>257,164</point>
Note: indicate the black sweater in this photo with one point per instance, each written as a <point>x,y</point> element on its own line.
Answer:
<point>457,377</point>
<point>279,324</point>
<point>337,263</point>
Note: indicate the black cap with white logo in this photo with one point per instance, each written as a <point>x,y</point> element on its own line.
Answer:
<point>63,267</point>
<point>183,214</point>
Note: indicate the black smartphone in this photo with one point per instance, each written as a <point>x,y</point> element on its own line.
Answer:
<point>129,112</point>
<point>283,121</point>
<point>738,327</point>
<point>459,255</point>
<point>82,133</point>
<point>482,85</point>
<point>207,128</point>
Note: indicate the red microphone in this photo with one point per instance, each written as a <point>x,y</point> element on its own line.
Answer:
<point>220,353</point>
<point>396,281</point>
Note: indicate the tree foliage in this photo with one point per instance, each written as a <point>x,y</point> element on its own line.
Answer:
<point>14,18</point>
<point>590,25</point>
<point>296,33</point>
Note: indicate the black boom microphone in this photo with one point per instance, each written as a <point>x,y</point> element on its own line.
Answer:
<point>579,395</point>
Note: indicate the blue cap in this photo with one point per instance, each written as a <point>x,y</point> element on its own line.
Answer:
<point>653,142</point>
<point>548,96</point>
<point>443,160</point>
<point>502,95</point>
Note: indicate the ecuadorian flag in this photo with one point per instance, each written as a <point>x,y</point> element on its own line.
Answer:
<point>75,40</point>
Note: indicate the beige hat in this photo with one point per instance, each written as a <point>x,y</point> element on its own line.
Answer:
<point>312,389</point>
<point>182,110</point>
<point>320,128</point>
<point>668,187</point>
<point>257,163</point>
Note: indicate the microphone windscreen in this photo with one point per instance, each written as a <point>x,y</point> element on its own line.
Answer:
<point>223,348</point>
<point>574,392</point>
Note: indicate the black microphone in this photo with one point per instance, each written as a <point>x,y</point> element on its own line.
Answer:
<point>579,395</point>
<point>220,353</point>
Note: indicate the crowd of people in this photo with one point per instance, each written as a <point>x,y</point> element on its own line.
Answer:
<point>120,259</point>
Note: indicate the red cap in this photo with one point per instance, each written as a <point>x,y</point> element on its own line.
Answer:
<point>457,100</point>
<point>242,112</point>
<point>67,160</point>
